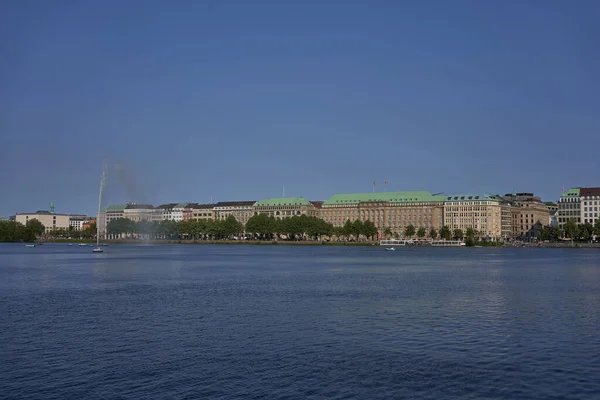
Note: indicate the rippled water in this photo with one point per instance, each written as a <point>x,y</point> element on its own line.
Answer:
<point>295,322</point>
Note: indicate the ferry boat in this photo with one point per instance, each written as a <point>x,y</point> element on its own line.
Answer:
<point>395,242</point>
<point>447,243</point>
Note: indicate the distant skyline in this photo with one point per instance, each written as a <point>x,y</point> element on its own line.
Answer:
<point>236,99</point>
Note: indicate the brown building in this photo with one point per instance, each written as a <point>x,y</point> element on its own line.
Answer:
<point>393,210</point>
<point>529,214</point>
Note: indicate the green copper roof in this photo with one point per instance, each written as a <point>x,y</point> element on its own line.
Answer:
<point>283,201</point>
<point>115,207</point>
<point>392,197</point>
<point>573,192</point>
<point>472,197</point>
<point>181,205</point>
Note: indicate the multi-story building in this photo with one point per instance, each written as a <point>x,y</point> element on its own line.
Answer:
<point>590,205</point>
<point>529,214</point>
<point>87,224</point>
<point>481,212</point>
<point>197,211</point>
<point>50,220</point>
<point>142,212</point>
<point>241,210</point>
<point>173,211</point>
<point>285,207</point>
<point>569,207</point>
<point>393,210</point>
<point>108,214</point>
<point>507,220</point>
<point>76,221</point>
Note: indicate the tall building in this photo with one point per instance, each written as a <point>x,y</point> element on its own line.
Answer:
<point>481,212</point>
<point>580,204</point>
<point>393,210</point>
<point>590,205</point>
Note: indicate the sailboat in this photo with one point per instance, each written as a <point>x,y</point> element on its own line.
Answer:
<point>99,249</point>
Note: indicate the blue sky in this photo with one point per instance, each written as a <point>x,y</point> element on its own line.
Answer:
<point>234,99</point>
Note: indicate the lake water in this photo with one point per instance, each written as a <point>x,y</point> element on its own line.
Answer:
<point>298,322</point>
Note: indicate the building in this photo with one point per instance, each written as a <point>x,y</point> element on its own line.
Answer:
<point>142,212</point>
<point>529,214</point>
<point>285,207</point>
<point>50,220</point>
<point>173,211</point>
<point>88,224</point>
<point>569,207</point>
<point>481,212</point>
<point>76,221</point>
<point>590,205</point>
<point>551,205</point>
<point>241,210</point>
<point>108,214</point>
<point>197,212</point>
<point>507,220</point>
<point>393,210</point>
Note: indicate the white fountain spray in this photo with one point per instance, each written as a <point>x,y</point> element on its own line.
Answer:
<point>100,194</point>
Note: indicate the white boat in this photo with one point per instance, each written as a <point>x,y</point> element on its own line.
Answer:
<point>447,243</point>
<point>97,250</point>
<point>83,244</point>
<point>395,242</point>
<point>30,245</point>
<point>390,249</point>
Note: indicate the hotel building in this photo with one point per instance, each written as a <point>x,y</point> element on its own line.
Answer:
<point>481,212</point>
<point>393,210</point>
<point>590,205</point>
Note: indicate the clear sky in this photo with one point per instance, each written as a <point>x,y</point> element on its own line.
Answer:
<point>234,99</point>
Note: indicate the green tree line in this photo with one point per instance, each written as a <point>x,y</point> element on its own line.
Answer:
<point>13,231</point>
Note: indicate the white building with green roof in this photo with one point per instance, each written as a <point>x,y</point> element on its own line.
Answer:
<point>481,212</point>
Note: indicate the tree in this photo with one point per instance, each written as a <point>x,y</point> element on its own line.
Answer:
<point>387,232</point>
<point>458,234</point>
<point>586,231</point>
<point>597,227</point>
<point>35,227</point>
<point>409,231</point>
<point>445,233</point>
<point>358,229</point>
<point>571,230</point>
<point>348,229</point>
<point>433,234</point>
<point>470,233</point>
<point>421,232</point>
<point>370,230</point>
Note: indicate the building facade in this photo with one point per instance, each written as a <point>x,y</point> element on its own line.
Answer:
<point>285,207</point>
<point>481,212</point>
<point>590,205</point>
<point>569,207</point>
<point>529,214</point>
<point>197,212</point>
<point>108,214</point>
<point>393,210</point>
<point>50,221</point>
<point>241,210</point>
<point>76,221</point>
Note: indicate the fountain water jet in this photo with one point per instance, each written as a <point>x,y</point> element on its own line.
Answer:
<point>100,194</point>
